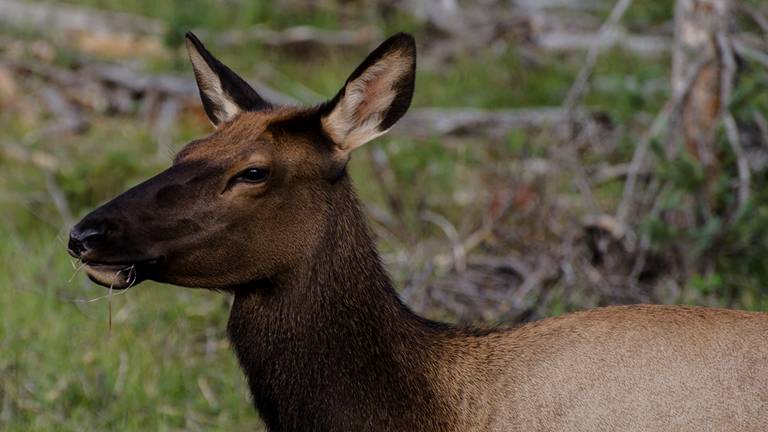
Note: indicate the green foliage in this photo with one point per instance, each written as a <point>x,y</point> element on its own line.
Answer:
<point>707,284</point>
<point>511,82</point>
<point>626,84</point>
<point>644,15</point>
<point>727,246</point>
<point>683,172</point>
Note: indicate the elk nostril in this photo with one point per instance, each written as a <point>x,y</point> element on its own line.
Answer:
<point>80,240</point>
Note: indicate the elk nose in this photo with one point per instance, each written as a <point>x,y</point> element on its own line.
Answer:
<point>81,239</point>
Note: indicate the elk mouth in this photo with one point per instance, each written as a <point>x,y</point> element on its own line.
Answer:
<point>121,275</point>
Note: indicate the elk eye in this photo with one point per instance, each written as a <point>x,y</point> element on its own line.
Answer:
<point>253,175</point>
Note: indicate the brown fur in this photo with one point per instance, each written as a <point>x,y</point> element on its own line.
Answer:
<point>321,335</point>
<point>648,368</point>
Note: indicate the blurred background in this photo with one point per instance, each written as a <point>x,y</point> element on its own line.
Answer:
<point>559,155</point>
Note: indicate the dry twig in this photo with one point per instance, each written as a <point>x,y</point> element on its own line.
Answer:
<point>457,247</point>
<point>731,128</point>
<point>577,89</point>
<point>762,125</point>
<point>747,51</point>
<point>671,108</point>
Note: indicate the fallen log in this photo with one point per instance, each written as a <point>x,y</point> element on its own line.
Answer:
<point>640,44</point>
<point>60,17</point>
<point>297,36</point>
<point>429,122</point>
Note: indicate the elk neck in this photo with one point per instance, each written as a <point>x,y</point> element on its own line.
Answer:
<point>329,346</point>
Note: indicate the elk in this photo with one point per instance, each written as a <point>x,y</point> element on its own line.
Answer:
<point>264,209</point>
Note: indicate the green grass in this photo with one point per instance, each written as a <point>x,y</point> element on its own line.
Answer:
<point>62,368</point>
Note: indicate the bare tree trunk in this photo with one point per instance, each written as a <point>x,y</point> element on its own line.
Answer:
<point>704,70</point>
<point>698,23</point>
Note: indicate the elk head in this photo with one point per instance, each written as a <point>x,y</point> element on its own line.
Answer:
<point>253,198</point>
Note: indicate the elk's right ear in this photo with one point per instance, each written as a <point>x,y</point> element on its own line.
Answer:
<point>374,97</point>
<point>223,92</point>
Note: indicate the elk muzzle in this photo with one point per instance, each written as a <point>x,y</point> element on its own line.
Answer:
<point>105,243</point>
<point>91,243</point>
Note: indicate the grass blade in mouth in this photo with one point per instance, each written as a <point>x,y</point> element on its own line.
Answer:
<point>77,270</point>
<point>109,309</point>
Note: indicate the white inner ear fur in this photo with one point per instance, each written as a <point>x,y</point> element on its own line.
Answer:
<point>210,84</point>
<point>356,118</point>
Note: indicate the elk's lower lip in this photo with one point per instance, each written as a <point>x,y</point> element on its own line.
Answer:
<point>111,276</point>
<point>118,275</point>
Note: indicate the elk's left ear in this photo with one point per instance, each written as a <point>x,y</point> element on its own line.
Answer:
<point>374,97</point>
<point>223,92</point>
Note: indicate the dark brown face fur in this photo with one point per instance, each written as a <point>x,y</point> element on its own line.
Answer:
<point>207,221</point>
<point>206,225</point>
<point>254,230</point>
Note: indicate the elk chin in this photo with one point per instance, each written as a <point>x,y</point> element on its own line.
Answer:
<point>113,276</point>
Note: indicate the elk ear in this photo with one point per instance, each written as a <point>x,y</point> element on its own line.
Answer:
<point>223,92</point>
<point>374,97</point>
